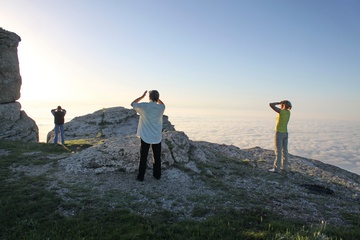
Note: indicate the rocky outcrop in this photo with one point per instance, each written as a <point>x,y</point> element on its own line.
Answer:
<point>115,122</point>
<point>116,147</point>
<point>15,124</point>
<point>122,154</point>
<point>10,79</point>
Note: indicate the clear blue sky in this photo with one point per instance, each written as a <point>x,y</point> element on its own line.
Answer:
<point>235,55</point>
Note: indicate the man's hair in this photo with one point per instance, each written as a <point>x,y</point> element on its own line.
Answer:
<point>59,108</point>
<point>154,95</point>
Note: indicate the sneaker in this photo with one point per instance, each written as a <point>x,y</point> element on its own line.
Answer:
<point>273,170</point>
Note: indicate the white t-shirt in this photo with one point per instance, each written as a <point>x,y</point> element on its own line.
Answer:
<point>150,122</point>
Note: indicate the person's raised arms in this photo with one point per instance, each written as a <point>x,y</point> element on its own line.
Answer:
<point>274,107</point>
<point>139,98</point>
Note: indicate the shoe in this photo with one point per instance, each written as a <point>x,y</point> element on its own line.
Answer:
<point>273,170</point>
<point>139,179</point>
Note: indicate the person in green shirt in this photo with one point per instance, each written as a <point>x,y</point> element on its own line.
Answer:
<point>281,135</point>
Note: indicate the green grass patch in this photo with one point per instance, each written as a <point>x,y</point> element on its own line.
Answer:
<point>17,147</point>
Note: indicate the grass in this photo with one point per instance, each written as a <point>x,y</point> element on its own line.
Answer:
<point>31,209</point>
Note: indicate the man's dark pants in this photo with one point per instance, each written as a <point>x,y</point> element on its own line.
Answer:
<point>144,150</point>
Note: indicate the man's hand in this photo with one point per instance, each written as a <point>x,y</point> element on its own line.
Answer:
<point>139,98</point>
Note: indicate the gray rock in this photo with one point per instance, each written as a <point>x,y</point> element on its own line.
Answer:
<point>193,167</point>
<point>179,145</point>
<point>105,123</point>
<point>117,148</point>
<point>9,113</point>
<point>16,125</point>
<point>10,79</point>
<point>122,154</point>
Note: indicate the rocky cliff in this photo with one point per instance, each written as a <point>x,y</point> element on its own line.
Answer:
<point>200,176</point>
<point>117,147</point>
<point>15,124</point>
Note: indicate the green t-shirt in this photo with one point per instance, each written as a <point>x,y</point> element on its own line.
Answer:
<point>282,120</point>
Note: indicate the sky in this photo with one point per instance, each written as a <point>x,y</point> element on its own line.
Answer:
<point>209,55</point>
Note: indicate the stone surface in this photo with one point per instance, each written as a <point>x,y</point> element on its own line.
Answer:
<point>117,148</point>
<point>105,123</point>
<point>15,124</point>
<point>10,79</point>
<point>122,154</point>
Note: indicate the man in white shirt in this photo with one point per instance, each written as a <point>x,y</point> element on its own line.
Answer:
<point>150,131</point>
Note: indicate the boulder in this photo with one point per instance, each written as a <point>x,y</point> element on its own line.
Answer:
<point>116,147</point>
<point>122,154</point>
<point>15,124</point>
<point>10,79</point>
<point>105,123</point>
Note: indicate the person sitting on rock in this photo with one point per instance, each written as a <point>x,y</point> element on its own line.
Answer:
<point>59,119</point>
<point>281,135</point>
<point>150,131</point>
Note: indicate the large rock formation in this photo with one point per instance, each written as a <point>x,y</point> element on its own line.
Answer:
<point>10,79</point>
<point>116,147</point>
<point>105,123</point>
<point>15,124</point>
